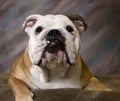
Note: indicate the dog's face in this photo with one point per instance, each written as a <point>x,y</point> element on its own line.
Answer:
<point>54,39</point>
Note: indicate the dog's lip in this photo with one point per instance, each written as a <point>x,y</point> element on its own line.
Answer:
<point>68,60</point>
<point>64,51</point>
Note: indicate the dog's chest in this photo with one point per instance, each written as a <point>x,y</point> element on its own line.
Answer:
<point>71,79</point>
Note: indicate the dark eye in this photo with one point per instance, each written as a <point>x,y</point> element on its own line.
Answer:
<point>69,29</point>
<point>38,30</point>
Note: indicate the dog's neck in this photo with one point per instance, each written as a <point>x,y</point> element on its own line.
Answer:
<point>53,71</point>
<point>59,71</point>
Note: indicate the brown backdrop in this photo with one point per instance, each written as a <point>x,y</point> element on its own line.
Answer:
<point>100,43</point>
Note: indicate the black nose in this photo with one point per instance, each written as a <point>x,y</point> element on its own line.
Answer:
<point>53,33</point>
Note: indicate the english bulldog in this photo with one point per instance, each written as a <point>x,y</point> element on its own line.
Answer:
<point>51,59</point>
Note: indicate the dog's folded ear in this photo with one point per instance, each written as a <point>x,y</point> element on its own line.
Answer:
<point>78,21</point>
<point>30,21</point>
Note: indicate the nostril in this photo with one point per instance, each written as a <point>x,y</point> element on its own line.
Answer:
<point>50,34</point>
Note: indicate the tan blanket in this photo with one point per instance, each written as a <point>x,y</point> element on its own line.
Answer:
<point>67,94</point>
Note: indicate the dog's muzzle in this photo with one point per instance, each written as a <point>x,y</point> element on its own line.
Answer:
<point>56,42</point>
<point>56,46</point>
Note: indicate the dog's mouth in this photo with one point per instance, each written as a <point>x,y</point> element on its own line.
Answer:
<point>54,46</point>
<point>54,50</point>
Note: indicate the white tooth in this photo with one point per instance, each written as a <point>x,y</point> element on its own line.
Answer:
<point>48,41</point>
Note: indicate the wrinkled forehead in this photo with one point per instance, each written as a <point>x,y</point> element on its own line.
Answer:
<point>49,20</point>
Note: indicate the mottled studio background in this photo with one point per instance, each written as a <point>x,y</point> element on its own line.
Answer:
<point>100,43</point>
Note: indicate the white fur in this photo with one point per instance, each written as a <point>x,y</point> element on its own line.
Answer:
<point>48,23</point>
<point>71,78</point>
<point>53,75</point>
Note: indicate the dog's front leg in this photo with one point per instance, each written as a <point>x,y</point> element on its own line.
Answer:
<point>20,90</point>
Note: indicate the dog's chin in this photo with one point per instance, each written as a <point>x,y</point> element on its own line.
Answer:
<point>52,58</point>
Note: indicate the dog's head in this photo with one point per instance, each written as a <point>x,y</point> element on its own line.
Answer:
<point>54,38</point>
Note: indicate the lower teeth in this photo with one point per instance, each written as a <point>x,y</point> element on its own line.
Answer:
<point>48,41</point>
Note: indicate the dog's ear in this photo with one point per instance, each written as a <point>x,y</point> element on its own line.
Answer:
<point>78,22</point>
<point>30,21</point>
